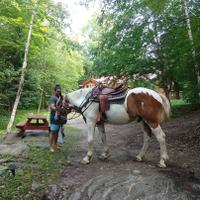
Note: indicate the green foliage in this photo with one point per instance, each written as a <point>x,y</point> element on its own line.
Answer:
<point>138,37</point>
<point>53,57</point>
<point>178,102</point>
<point>142,83</point>
<point>56,63</point>
<point>8,84</point>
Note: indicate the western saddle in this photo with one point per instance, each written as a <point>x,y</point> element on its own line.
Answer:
<point>106,96</point>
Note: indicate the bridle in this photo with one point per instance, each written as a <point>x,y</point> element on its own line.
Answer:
<point>85,104</point>
<point>87,101</point>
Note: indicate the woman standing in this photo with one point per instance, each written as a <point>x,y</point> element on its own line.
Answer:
<point>54,125</point>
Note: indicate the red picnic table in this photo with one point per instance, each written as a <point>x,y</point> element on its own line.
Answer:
<point>33,123</point>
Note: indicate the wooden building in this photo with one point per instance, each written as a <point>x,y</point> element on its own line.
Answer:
<point>88,83</point>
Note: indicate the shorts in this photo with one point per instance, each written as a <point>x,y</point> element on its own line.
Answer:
<point>54,127</point>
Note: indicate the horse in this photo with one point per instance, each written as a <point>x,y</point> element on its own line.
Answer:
<point>141,103</point>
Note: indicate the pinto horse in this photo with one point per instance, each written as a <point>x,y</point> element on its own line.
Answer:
<point>140,103</point>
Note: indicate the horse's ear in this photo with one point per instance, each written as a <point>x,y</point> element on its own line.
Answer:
<point>66,99</point>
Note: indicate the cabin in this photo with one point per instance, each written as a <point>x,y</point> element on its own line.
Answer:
<point>110,81</point>
<point>88,83</point>
<point>113,82</point>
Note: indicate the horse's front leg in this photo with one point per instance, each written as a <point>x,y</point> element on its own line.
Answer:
<point>90,129</point>
<point>102,132</point>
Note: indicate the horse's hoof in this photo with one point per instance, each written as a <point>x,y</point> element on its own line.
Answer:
<point>166,157</point>
<point>138,158</point>
<point>84,162</point>
<point>162,164</point>
<point>104,156</point>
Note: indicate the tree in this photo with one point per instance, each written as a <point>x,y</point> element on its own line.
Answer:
<point>189,30</point>
<point>138,37</point>
<point>21,83</point>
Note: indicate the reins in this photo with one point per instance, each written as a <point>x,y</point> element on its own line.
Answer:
<point>73,116</point>
<point>85,103</point>
<point>86,108</point>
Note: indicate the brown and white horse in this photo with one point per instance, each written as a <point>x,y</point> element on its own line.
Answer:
<point>152,108</point>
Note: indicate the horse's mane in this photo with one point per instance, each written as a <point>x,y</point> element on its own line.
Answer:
<point>83,90</point>
<point>77,96</point>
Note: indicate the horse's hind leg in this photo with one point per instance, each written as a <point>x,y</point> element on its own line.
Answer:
<point>146,138</point>
<point>102,132</point>
<point>160,136</point>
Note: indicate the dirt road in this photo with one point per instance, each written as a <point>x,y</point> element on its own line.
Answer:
<point>121,177</point>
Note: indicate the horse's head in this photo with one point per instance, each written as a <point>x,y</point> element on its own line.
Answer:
<point>75,101</point>
<point>62,106</point>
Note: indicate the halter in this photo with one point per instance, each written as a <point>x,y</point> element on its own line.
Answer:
<point>85,103</point>
<point>73,116</point>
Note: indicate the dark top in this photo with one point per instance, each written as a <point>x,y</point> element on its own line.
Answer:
<point>53,100</point>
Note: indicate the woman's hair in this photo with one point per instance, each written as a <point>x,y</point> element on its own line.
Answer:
<point>57,86</point>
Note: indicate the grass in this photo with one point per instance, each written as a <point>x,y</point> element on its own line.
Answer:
<point>178,102</point>
<point>71,129</point>
<point>39,166</point>
<point>180,107</point>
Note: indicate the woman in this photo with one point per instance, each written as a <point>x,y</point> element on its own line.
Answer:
<point>54,125</point>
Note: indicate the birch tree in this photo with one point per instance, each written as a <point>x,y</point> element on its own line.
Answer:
<point>23,71</point>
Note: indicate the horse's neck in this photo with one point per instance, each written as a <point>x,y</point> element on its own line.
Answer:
<point>77,97</point>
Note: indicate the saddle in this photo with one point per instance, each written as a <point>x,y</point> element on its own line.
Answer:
<point>107,96</point>
<point>110,93</point>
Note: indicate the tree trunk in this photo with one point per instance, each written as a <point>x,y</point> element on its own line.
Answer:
<point>176,89</point>
<point>21,83</point>
<point>189,30</point>
<point>40,101</point>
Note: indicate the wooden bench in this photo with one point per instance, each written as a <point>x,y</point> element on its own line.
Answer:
<point>33,123</point>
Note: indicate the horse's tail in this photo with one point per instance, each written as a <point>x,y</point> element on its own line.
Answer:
<point>166,106</point>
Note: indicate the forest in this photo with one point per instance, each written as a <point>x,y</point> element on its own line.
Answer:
<point>142,43</point>
<point>123,38</point>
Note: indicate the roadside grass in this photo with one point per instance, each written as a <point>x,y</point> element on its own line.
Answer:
<point>180,107</point>
<point>39,167</point>
<point>178,102</point>
<point>71,129</point>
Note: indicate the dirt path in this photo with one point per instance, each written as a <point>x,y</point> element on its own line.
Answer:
<point>121,177</point>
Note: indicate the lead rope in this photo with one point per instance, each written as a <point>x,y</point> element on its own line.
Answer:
<point>81,113</point>
<point>73,116</point>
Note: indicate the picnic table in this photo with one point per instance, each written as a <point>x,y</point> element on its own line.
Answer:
<point>33,123</point>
